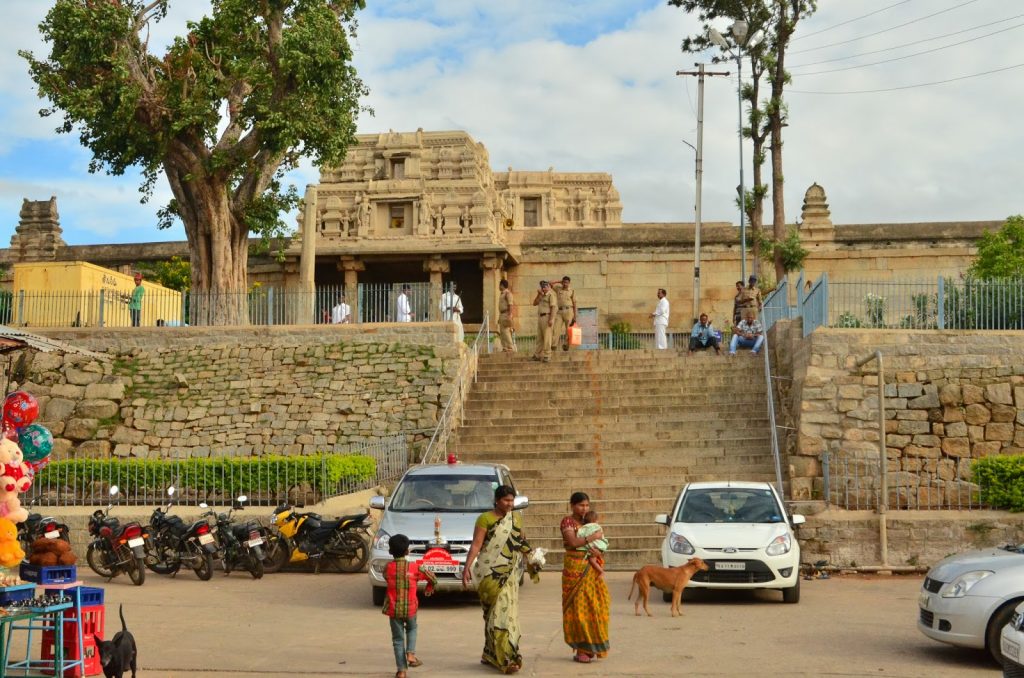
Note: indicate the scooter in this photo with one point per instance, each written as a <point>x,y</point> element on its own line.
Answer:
<point>116,548</point>
<point>342,544</point>
<point>37,525</point>
<point>172,543</point>
<point>239,545</point>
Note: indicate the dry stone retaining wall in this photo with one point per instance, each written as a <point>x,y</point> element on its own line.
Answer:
<point>180,392</point>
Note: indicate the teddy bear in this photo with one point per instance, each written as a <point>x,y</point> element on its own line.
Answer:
<point>47,552</point>
<point>15,474</point>
<point>10,550</point>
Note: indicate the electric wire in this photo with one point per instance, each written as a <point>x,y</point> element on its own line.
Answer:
<point>850,21</point>
<point>885,30</point>
<point>906,44</point>
<point>920,84</point>
<point>915,54</point>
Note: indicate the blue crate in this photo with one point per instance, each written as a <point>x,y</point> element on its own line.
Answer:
<point>49,574</point>
<point>90,595</point>
<point>12,594</point>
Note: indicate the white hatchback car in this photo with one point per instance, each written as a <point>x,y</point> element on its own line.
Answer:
<point>741,530</point>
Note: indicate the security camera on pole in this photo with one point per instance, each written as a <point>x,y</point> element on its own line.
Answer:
<point>739,30</point>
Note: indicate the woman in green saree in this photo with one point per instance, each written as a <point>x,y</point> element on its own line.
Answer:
<point>494,561</point>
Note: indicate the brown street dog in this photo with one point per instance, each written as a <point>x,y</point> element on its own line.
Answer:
<point>672,579</point>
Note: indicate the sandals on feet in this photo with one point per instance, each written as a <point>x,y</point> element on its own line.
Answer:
<point>582,658</point>
<point>413,660</point>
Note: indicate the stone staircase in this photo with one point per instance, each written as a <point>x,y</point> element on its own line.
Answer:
<point>629,428</point>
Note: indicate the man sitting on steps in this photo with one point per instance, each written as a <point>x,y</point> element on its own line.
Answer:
<point>747,334</point>
<point>703,336</point>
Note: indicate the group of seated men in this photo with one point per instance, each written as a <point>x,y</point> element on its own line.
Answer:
<point>747,331</point>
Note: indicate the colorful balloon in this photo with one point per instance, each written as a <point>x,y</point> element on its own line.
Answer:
<point>20,408</point>
<point>36,442</point>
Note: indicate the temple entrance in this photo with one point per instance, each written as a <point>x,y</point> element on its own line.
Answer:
<point>467,275</point>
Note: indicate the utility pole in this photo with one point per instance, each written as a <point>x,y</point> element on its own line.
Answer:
<point>700,73</point>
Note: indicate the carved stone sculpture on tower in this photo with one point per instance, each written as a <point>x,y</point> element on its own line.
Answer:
<point>38,234</point>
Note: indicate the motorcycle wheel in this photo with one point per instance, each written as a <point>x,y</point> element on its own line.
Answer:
<point>277,551</point>
<point>254,565</point>
<point>96,556</point>
<point>136,571</point>
<point>204,570</point>
<point>163,559</point>
<point>347,552</point>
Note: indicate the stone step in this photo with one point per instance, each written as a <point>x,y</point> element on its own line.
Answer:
<point>638,447</point>
<point>545,417</point>
<point>606,357</point>
<point>535,371</point>
<point>547,528</point>
<point>616,559</point>
<point>587,427</point>
<point>625,404</point>
<point>631,380</point>
<point>724,471</point>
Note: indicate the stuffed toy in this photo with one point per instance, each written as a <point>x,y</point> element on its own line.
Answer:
<point>48,552</point>
<point>10,507</point>
<point>10,550</point>
<point>15,474</point>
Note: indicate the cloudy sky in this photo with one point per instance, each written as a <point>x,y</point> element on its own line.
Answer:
<point>590,85</point>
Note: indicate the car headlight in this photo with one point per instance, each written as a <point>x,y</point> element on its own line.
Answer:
<point>959,587</point>
<point>679,544</point>
<point>380,542</point>
<point>780,545</point>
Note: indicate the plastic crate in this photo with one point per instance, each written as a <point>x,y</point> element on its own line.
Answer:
<point>49,574</point>
<point>89,652</point>
<point>90,595</point>
<point>11,594</point>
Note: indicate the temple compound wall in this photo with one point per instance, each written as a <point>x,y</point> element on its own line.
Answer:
<point>426,207</point>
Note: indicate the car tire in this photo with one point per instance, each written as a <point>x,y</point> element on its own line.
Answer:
<point>666,596</point>
<point>379,593</point>
<point>999,619</point>
<point>792,594</point>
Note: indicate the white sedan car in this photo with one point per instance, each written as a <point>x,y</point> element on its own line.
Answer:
<point>1010,642</point>
<point>741,531</point>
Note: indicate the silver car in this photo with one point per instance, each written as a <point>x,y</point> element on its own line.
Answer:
<point>436,506</point>
<point>967,599</point>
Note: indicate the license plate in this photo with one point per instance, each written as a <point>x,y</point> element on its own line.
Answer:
<point>138,541</point>
<point>443,569</point>
<point>730,566</point>
<point>52,534</point>
<point>1011,649</point>
<point>205,539</point>
<point>258,541</point>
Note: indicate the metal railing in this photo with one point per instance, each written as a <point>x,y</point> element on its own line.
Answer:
<point>776,305</point>
<point>813,307</point>
<point>776,456</point>
<point>266,483</point>
<point>454,409</point>
<point>854,482</point>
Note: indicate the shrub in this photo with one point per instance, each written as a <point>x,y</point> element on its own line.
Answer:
<point>1001,480</point>
<point>847,319</point>
<point>620,336</point>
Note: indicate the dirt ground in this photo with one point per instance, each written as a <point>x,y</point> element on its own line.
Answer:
<point>324,625</point>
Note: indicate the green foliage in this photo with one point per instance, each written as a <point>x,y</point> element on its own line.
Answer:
<point>875,306</point>
<point>620,336</point>
<point>174,274</point>
<point>224,476</point>
<point>790,249</point>
<point>847,319</point>
<point>1001,253</point>
<point>923,317</point>
<point>973,304</point>
<point>1001,480</point>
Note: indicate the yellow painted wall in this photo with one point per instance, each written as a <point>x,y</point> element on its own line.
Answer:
<point>76,293</point>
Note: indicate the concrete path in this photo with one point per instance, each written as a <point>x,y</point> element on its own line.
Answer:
<point>292,624</point>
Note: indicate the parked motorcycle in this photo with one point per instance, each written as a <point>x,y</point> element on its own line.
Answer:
<point>37,525</point>
<point>116,548</point>
<point>342,543</point>
<point>239,545</point>
<point>173,543</point>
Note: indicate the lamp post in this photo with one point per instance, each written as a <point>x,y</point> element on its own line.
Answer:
<point>739,30</point>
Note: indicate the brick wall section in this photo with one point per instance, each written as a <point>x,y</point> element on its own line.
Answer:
<point>180,392</point>
<point>951,397</point>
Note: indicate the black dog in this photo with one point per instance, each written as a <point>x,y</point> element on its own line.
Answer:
<point>119,654</point>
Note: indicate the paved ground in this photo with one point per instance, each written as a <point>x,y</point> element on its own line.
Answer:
<point>324,625</point>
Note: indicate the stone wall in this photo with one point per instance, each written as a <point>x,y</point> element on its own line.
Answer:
<point>950,398</point>
<point>180,392</point>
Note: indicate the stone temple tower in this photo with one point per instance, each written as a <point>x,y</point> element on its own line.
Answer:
<point>38,234</point>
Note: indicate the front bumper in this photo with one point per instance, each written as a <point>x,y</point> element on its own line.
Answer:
<point>749,570</point>
<point>445,582</point>
<point>957,621</point>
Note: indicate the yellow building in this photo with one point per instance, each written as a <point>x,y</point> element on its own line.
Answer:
<point>79,294</point>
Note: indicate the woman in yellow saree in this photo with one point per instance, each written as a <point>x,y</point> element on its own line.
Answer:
<point>586,602</point>
<point>494,561</point>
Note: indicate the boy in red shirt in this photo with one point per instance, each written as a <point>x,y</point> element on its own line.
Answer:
<point>401,602</point>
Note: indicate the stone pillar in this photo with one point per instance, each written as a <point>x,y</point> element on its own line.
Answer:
<point>436,266</point>
<point>491,267</point>
<point>352,267</point>
<point>307,259</point>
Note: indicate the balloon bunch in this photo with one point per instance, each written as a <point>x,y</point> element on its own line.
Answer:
<point>24,450</point>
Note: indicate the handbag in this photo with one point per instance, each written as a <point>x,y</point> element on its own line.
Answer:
<point>575,335</point>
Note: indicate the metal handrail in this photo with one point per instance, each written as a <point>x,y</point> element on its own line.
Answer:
<point>437,448</point>
<point>883,465</point>
<point>771,418</point>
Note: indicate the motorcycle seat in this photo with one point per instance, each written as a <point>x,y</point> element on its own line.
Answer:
<point>355,517</point>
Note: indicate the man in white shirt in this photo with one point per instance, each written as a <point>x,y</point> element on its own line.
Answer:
<point>342,313</point>
<point>660,316</point>
<point>404,311</point>
<point>451,308</point>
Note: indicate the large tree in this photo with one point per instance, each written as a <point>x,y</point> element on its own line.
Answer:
<point>1001,253</point>
<point>777,19</point>
<point>230,106</point>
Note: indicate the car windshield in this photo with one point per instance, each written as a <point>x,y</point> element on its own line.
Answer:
<point>729,505</point>
<point>451,493</point>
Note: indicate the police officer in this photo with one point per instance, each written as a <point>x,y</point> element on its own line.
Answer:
<point>547,305</point>
<point>506,305</point>
<point>566,315</point>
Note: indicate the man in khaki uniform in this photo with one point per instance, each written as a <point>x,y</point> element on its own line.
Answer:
<point>506,305</point>
<point>566,314</point>
<point>547,305</point>
<point>750,298</point>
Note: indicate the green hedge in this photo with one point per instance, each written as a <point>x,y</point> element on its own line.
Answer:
<point>226,476</point>
<point>1001,480</point>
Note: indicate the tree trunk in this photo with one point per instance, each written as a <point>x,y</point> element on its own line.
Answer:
<point>777,111</point>
<point>219,248</point>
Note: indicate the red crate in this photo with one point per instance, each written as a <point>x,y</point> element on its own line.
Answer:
<point>89,652</point>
